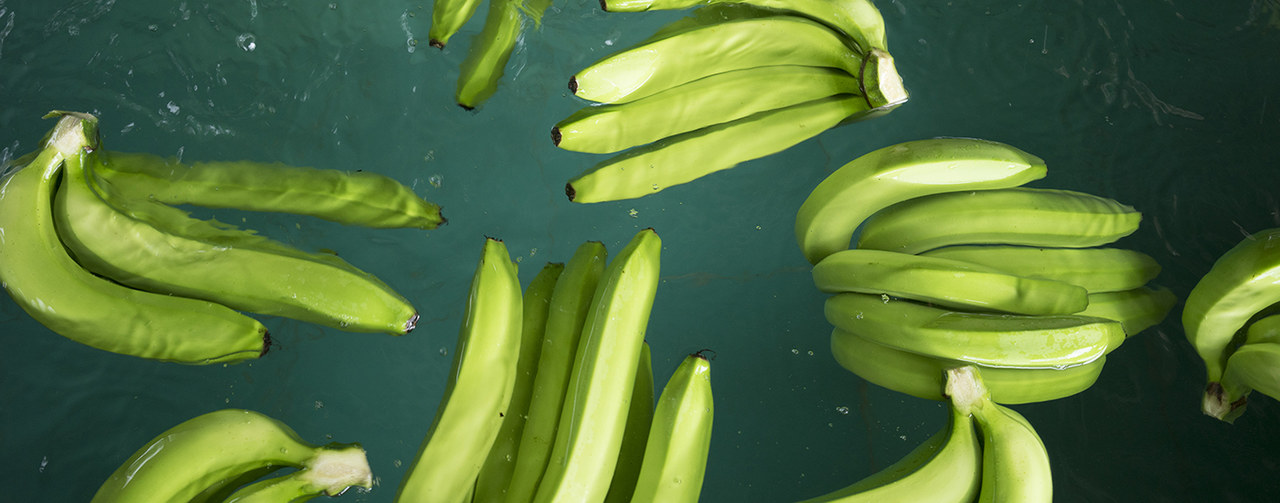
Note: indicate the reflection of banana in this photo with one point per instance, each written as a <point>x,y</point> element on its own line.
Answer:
<point>1015,463</point>
<point>50,286</point>
<point>1095,269</point>
<point>1016,216</point>
<point>675,456</point>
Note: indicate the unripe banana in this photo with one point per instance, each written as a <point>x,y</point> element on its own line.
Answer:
<point>489,52</point>
<point>1015,463</point>
<point>675,457</point>
<point>593,420</point>
<point>1266,329</point>
<point>1095,269</point>
<point>994,340</point>
<point>447,17</point>
<point>839,204</point>
<point>1136,310</point>
<point>1253,367</point>
<point>1015,216</point>
<point>945,282</point>
<point>207,451</point>
<point>50,286</point>
<point>479,390</point>
<point>329,476</point>
<point>636,435</point>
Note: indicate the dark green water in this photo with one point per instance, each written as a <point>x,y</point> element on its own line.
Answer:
<point>1172,107</point>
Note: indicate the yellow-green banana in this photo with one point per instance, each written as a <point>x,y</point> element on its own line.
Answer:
<point>205,452</point>
<point>835,209</point>
<point>489,52</point>
<point>1095,269</point>
<point>945,282</point>
<point>1017,216</point>
<point>480,385</point>
<point>1015,463</point>
<point>994,340</point>
<point>636,434</point>
<point>593,420</point>
<point>1253,367</point>
<point>1266,329</point>
<point>49,285</point>
<point>1136,309</point>
<point>675,457</point>
<point>447,17</point>
<point>330,476</point>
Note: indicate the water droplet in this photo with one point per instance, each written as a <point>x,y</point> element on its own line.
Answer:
<point>319,404</point>
<point>444,352</point>
<point>435,181</point>
<point>842,409</point>
<point>884,298</point>
<point>247,42</point>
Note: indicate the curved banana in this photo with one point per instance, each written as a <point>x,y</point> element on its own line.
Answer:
<point>835,209</point>
<point>149,250</point>
<point>1015,463</point>
<point>480,385</point>
<point>447,17</point>
<point>570,302</point>
<point>945,282</point>
<point>1017,216</point>
<point>1266,329</point>
<point>206,451</point>
<point>1096,269</point>
<point>1137,309</point>
<point>354,198</point>
<point>1253,367</point>
<point>711,100</point>
<point>993,340</point>
<point>688,156</point>
<point>49,285</point>
<point>636,435</point>
<point>675,457</point>
<point>1242,282</point>
<point>922,376</point>
<point>489,53</point>
<point>593,420</point>
<point>328,476</point>
<point>495,474</point>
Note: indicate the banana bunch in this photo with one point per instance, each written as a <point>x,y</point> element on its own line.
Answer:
<point>986,452</point>
<point>218,456</point>
<point>733,82</point>
<point>95,251</point>
<point>956,263</point>
<point>1230,318</point>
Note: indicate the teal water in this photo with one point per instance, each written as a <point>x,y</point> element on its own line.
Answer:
<point>1172,107</point>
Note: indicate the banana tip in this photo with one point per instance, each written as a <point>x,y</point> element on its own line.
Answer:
<point>568,191</point>
<point>604,5</point>
<point>466,107</point>
<point>556,136</point>
<point>266,343</point>
<point>411,324</point>
<point>573,84</point>
<point>437,44</point>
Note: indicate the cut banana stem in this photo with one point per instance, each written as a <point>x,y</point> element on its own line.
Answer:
<point>1136,310</point>
<point>675,456</point>
<point>995,340</point>
<point>1015,216</point>
<point>1096,269</point>
<point>489,53</point>
<point>1015,463</point>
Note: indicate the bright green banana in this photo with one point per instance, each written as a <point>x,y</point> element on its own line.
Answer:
<point>49,285</point>
<point>945,282</point>
<point>142,244</point>
<point>1137,309</point>
<point>711,100</point>
<point>480,386</point>
<point>328,476</point>
<point>1095,269</point>
<point>489,53</point>
<point>594,417</point>
<point>922,376</point>
<point>1255,366</point>
<point>688,156</point>
<point>993,340</point>
<point>447,17</point>
<point>570,303</point>
<point>1266,329</point>
<point>636,434</point>
<point>207,451</point>
<point>1242,282</point>
<point>1015,463</point>
<point>495,475</point>
<point>675,457</point>
<point>354,198</point>
<point>857,19</point>
<point>1016,216</point>
<point>835,209</point>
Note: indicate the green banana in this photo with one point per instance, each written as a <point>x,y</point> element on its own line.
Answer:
<point>1255,366</point>
<point>151,252</point>
<point>946,468</point>
<point>922,376</point>
<point>675,456</point>
<point>716,99</point>
<point>994,340</point>
<point>357,198</point>
<point>1136,309</point>
<point>1015,463</point>
<point>945,282</point>
<point>447,17</point>
<point>570,304</point>
<point>839,204</point>
<point>1096,269</point>
<point>688,156</point>
<point>206,451</point>
<point>593,420</point>
<point>1242,282</point>
<point>489,53</point>
<point>480,386</point>
<point>857,19</point>
<point>1266,329</point>
<point>495,475</point>
<point>330,476</point>
<point>636,434</point>
<point>49,285</point>
<point>1017,216</point>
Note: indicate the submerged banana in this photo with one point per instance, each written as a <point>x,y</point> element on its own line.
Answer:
<point>675,457</point>
<point>1095,269</point>
<point>1015,463</point>
<point>489,52</point>
<point>447,17</point>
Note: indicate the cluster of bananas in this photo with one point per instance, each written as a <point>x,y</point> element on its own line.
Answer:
<point>728,84</point>
<point>1230,317</point>
<point>551,393</point>
<point>490,48</point>
<point>95,251</point>
<point>221,455</point>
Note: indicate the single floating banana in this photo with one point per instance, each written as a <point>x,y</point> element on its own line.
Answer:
<point>489,53</point>
<point>1015,463</point>
<point>675,457</point>
<point>447,17</point>
<point>1096,269</point>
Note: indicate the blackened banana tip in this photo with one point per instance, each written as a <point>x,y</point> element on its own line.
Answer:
<point>266,343</point>
<point>467,108</point>
<point>573,84</point>
<point>604,6</point>
<point>437,44</point>
<point>555,136</point>
<point>568,191</point>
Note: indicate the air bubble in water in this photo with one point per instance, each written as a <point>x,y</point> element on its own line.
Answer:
<point>246,42</point>
<point>842,409</point>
